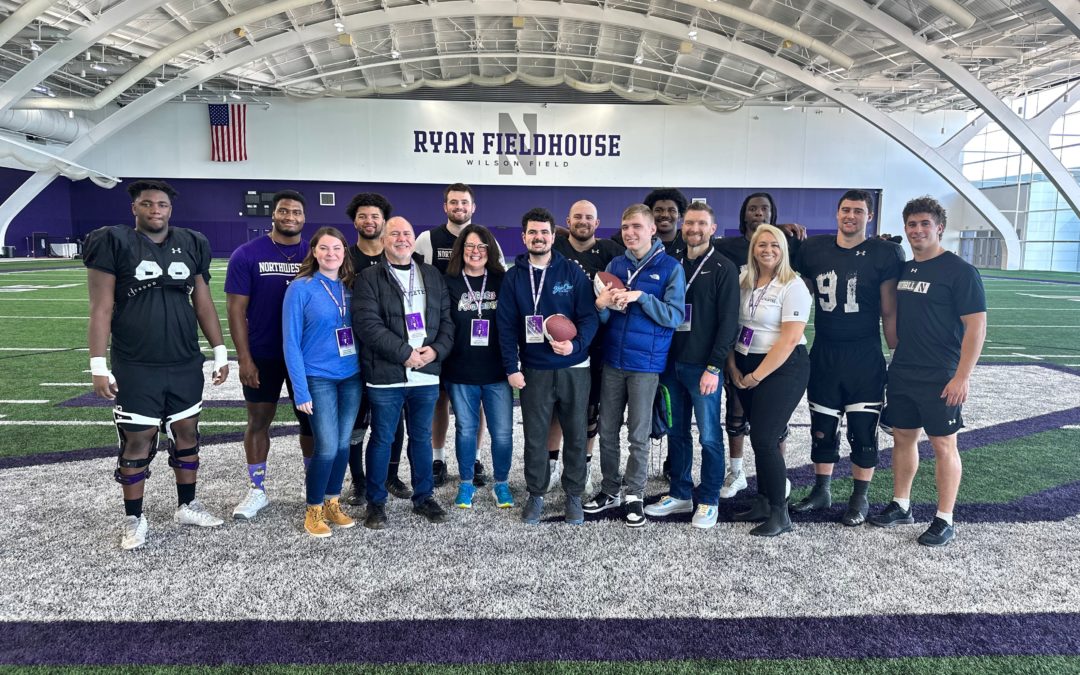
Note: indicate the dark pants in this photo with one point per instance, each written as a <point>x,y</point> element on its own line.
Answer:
<point>566,392</point>
<point>768,407</point>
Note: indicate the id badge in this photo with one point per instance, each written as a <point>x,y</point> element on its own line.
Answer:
<point>688,311</point>
<point>746,336</point>
<point>414,324</point>
<point>534,329</point>
<point>479,336</point>
<point>345,344</point>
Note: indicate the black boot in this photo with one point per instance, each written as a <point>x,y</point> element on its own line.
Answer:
<point>759,510</point>
<point>819,498</point>
<point>779,522</point>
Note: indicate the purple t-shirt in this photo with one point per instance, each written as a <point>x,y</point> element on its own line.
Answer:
<point>262,269</point>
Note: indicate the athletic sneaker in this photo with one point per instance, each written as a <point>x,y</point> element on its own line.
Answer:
<point>602,502</point>
<point>504,499</point>
<point>555,466</point>
<point>530,515</point>
<point>193,513</point>
<point>357,494</point>
<point>479,477</point>
<point>334,515</point>
<point>314,522</point>
<point>438,472</point>
<point>857,509</point>
<point>668,505</point>
<point>134,534</point>
<point>704,517</point>
<point>430,509</point>
<point>395,487</point>
<point>376,517</point>
<point>253,502</point>
<point>733,484</point>
<point>574,515</point>
<point>635,513</point>
<point>465,495</point>
<point>939,533</point>
<point>892,516</point>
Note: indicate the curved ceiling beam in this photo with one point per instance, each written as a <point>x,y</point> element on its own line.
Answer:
<point>22,17</point>
<point>1031,142</point>
<point>150,101</point>
<point>59,54</point>
<point>160,58</point>
<point>1067,12</point>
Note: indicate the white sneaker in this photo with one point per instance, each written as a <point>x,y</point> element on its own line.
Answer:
<point>134,532</point>
<point>253,502</point>
<point>556,473</point>
<point>668,505</point>
<point>733,484</point>
<point>193,513</point>
<point>704,517</point>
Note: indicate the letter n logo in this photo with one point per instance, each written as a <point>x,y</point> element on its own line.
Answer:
<point>507,126</point>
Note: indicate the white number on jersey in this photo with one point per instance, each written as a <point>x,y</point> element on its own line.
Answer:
<point>826,284</point>
<point>179,270</point>
<point>147,269</point>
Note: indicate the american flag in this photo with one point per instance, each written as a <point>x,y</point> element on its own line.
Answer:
<point>228,132</point>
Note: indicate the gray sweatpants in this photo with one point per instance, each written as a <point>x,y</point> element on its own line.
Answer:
<point>633,392</point>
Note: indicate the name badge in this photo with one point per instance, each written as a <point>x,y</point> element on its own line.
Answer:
<point>688,311</point>
<point>534,329</point>
<point>345,344</point>
<point>745,338</point>
<point>480,335</point>
<point>414,324</point>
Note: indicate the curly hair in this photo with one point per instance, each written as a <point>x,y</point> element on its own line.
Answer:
<point>667,194</point>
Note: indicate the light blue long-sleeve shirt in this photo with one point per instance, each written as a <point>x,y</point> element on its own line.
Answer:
<point>309,320</point>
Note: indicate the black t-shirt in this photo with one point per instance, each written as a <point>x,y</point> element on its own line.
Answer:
<point>361,261</point>
<point>593,260</point>
<point>737,249</point>
<point>676,246</point>
<point>468,364</point>
<point>442,245</point>
<point>847,284</point>
<point>153,320</point>
<point>931,297</point>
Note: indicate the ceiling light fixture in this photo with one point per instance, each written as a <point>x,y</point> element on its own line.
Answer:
<point>395,54</point>
<point>98,67</point>
<point>34,47</point>
<point>52,94</point>
<point>71,114</point>
<point>235,95</point>
<point>788,107</point>
<point>340,26</point>
<point>158,83</point>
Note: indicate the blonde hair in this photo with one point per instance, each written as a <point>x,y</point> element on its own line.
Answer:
<point>784,272</point>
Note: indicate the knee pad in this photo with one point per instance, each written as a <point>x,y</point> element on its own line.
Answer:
<point>127,463</point>
<point>862,433</point>
<point>824,436</point>
<point>736,425</point>
<point>175,454</point>
<point>593,423</point>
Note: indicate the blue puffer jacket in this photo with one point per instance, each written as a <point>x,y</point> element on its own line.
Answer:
<point>638,339</point>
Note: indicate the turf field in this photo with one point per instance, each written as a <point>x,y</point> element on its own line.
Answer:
<point>488,594</point>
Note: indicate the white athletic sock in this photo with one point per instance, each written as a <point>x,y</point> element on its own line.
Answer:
<point>902,503</point>
<point>736,464</point>
<point>947,517</point>
<point>438,454</point>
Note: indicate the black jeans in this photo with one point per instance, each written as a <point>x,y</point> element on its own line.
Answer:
<point>768,408</point>
<point>566,392</point>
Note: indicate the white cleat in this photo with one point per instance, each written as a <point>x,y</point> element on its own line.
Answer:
<point>254,501</point>
<point>733,484</point>
<point>134,532</point>
<point>193,513</point>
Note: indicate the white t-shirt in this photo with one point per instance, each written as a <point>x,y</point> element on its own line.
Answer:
<point>419,303</point>
<point>764,309</point>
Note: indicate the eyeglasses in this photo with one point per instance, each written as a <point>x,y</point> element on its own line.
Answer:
<point>482,248</point>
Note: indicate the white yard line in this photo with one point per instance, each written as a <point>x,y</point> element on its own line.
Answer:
<point>44,349</point>
<point>100,423</point>
<point>28,401</point>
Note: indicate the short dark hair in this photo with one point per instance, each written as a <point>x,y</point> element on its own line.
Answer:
<point>144,184</point>
<point>369,199</point>
<point>857,196</point>
<point>670,194</point>
<point>742,209</point>
<point>288,194</point>
<point>537,215</point>
<point>926,204</point>
<point>457,254</point>
<point>702,206</point>
<point>457,187</point>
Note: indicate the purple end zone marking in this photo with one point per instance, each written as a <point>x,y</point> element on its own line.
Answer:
<point>529,640</point>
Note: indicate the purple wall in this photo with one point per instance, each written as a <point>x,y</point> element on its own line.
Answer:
<point>50,211</point>
<point>214,206</point>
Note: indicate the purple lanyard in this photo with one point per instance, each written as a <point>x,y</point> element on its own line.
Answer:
<point>532,284</point>
<point>479,300</point>
<point>754,304</point>
<point>412,278</point>
<point>340,306</point>
<point>630,277</point>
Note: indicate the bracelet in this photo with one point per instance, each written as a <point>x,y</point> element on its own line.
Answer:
<point>221,357</point>
<point>712,370</point>
<point>98,366</point>
<point>755,378</point>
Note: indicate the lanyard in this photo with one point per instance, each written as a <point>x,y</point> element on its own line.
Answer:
<point>340,306</point>
<point>478,299</point>
<point>753,304</point>
<point>412,278</point>
<point>630,277</point>
<point>532,284</point>
<point>699,267</point>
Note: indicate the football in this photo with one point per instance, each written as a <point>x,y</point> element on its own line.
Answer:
<point>559,328</point>
<point>603,279</point>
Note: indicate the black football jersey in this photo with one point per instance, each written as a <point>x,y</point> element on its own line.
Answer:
<point>362,261</point>
<point>593,260</point>
<point>442,245</point>
<point>847,284</point>
<point>153,320</point>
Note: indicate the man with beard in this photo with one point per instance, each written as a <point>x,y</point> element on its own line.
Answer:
<point>592,255</point>
<point>258,274</point>
<point>368,211</point>
<point>668,206</point>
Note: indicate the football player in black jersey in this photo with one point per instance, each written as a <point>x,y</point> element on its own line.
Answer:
<point>592,255</point>
<point>668,207</point>
<point>148,290</point>
<point>853,280</point>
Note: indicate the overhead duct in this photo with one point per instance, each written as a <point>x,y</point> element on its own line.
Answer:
<point>958,14</point>
<point>51,124</point>
<point>29,158</point>
<point>22,17</point>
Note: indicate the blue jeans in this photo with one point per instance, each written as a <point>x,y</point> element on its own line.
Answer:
<point>386,408</point>
<point>683,384</point>
<point>333,410</point>
<point>498,404</point>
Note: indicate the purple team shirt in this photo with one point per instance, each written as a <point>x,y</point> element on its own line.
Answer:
<point>262,270</point>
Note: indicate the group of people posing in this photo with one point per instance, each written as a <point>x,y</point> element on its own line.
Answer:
<point>389,334</point>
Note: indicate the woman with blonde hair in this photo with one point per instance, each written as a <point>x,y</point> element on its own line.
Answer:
<point>770,367</point>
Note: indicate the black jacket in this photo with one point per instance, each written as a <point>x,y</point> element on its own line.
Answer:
<point>378,311</point>
<point>714,321</point>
